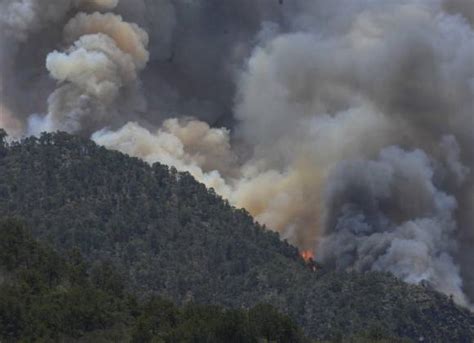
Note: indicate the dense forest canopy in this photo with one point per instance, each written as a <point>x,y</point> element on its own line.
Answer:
<point>48,297</point>
<point>164,234</point>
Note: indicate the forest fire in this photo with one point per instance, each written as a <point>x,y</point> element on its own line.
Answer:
<point>307,255</point>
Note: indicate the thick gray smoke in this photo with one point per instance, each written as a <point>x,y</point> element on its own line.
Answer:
<point>388,214</point>
<point>345,125</point>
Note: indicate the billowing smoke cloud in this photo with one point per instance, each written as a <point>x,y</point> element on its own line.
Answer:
<point>347,126</point>
<point>388,214</point>
<point>29,30</point>
<point>188,145</point>
<point>105,57</point>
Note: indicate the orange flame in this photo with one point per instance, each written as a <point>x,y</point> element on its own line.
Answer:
<point>307,255</point>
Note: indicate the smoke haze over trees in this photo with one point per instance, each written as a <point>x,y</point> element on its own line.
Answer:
<point>346,126</point>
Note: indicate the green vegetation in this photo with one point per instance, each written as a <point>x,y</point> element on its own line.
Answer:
<point>166,235</point>
<point>46,297</point>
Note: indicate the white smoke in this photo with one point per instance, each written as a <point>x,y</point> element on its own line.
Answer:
<point>106,56</point>
<point>187,145</point>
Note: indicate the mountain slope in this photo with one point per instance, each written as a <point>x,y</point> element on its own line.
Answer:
<point>47,297</point>
<point>168,235</point>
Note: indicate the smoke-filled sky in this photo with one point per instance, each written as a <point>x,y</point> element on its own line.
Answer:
<point>345,125</point>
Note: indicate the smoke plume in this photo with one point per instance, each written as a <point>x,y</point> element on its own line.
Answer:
<point>347,126</point>
<point>387,214</point>
<point>105,57</point>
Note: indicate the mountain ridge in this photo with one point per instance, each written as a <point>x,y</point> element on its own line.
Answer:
<point>168,235</point>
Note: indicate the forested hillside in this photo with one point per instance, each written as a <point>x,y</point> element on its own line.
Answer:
<point>46,297</point>
<point>166,234</point>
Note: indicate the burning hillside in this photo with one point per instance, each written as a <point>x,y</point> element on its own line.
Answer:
<point>307,255</point>
<point>346,126</point>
